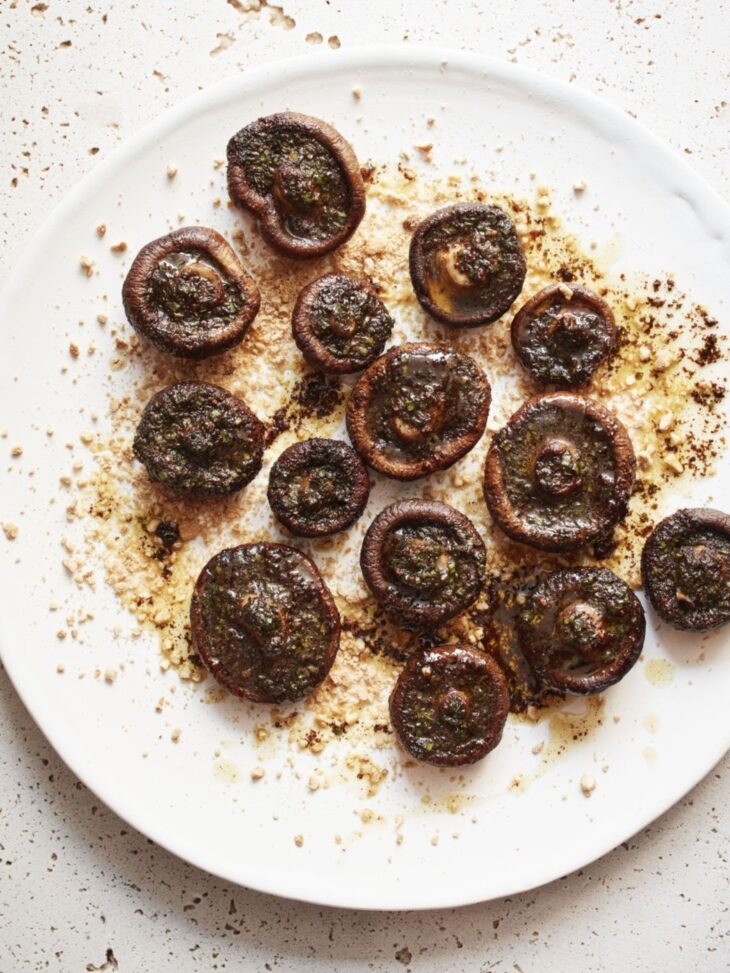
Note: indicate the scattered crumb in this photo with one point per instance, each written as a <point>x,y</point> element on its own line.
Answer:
<point>10,530</point>
<point>119,247</point>
<point>579,187</point>
<point>357,92</point>
<point>73,350</point>
<point>60,668</point>
<point>175,735</point>
<point>87,264</point>
<point>588,784</point>
<point>258,773</point>
<point>171,172</point>
<point>110,674</point>
<point>101,230</point>
<point>298,840</point>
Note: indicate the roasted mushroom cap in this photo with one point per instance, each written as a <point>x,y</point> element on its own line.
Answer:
<point>467,264</point>
<point>423,561</point>
<point>449,705</point>
<point>562,334</point>
<point>685,567</point>
<point>190,294</point>
<point>300,179</point>
<point>559,475</point>
<point>418,409</point>
<point>264,622</point>
<point>339,324</point>
<point>318,487</point>
<point>582,629</point>
<point>199,440</point>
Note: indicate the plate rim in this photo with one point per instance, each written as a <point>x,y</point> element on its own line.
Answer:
<point>711,210</point>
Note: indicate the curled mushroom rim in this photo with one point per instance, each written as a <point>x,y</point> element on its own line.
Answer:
<point>508,517</point>
<point>317,453</point>
<point>187,464</point>
<point>413,607</point>
<point>206,650</point>
<point>314,348</point>
<point>153,324</point>
<point>564,295</point>
<point>661,565</point>
<point>540,621</point>
<point>443,453</point>
<point>482,739</point>
<point>264,207</point>
<point>419,263</point>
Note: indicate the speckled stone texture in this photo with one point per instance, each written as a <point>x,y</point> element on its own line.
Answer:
<point>78,889</point>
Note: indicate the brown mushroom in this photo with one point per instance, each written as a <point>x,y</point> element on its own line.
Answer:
<point>339,324</point>
<point>189,294</point>
<point>423,561</point>
<point>264,622</point>
<point>582,629</point>
<point>562,335</point>
<point>685,567</point>
<point>417,409</point>
<point>559,475</point>
<point>300,179</point>
<point>199,440</point>
<point>318,487</point>
<point>467,264</point>
<point>449,705</point>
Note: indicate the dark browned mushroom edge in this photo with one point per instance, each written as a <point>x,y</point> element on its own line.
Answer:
<point>499,717</point>
<point>588,297</point>
<point>328,451</point>
<point>577,683</point>
<point>223,398</point>
<point>687,518</point>
<point>213,245</point>
<point>199,638</point>
<point>419,270</point>
<point>415,512</point>
<point>314,351</point>
<point>497,501</point>
<point>264,207</point>
<point>357,426</point>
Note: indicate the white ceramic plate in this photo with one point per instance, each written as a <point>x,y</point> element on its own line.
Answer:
<point>669,219</point>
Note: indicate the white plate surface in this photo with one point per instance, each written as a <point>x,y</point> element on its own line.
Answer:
<point>668,218</point>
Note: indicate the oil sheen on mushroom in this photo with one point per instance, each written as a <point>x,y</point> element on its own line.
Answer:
<point>582,629</point>
<point>189,294</point>
<point>685,567</point>
<point>559,475</point>
<point>417,409</point>
<point>562,335</point>
<point>339,324</point>
<point>467,264</point>
<point>300,179</point>
<point>318,487</point>
<point>423,561</point>
<point>199,440</point>
<point>449,705</point>
<point>264,622</point>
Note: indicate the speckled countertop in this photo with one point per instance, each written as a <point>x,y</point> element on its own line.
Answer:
<point>78,889</point>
